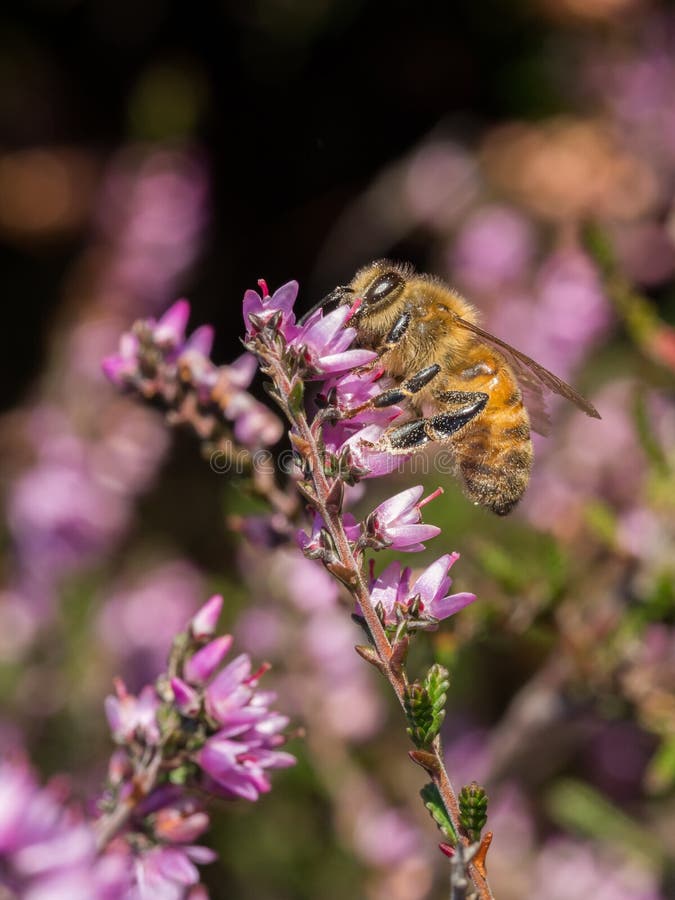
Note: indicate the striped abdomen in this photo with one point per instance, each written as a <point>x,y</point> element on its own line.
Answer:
<point>493,452</point>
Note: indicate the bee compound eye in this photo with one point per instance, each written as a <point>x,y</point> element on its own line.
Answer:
<point>383,286</point>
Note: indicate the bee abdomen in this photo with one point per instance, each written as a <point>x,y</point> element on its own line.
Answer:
<point>495,463</point>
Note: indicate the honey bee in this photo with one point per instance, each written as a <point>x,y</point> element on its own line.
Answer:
<point>464,387</point>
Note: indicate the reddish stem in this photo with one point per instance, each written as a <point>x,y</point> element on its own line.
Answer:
<point>333,520</point>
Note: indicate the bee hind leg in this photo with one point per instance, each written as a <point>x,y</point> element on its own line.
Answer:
<point>439,427</point>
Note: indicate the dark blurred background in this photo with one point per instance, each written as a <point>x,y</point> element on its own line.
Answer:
<point>295,106</point>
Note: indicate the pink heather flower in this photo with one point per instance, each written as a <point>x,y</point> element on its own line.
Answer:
<point>170,329</point>
<point>130,716</point>
<point>312,545</point>
<point>122,366</point>
<point>397,522</point>
<point>236,757</point>
<point>323,342</point>
<point>180,823</point>
<point>166,872</point>
<point>365,454</point>
<point>200,341</point>
<point>494,247</point>
<point>203,623</point>
<point>186,699</point>
<point>199,668</point>
<point>351,390</point>
<point>46,851</point>
<point>230,689</point>
<point>432,586</point>
<point>242,371</point>
<point>254,423</point>
<point>169,333</point>
<point>265,308</point>
<point>392,589</point>
<point>238,767</point>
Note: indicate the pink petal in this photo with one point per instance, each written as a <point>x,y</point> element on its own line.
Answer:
<point>203,623</point>
<point>348,359</point>
<point>243,369</point>
<point>201,855</point>
<point>200,667</point>
<point>402,535</point>
<point>433,579</point>
<point>171,327</point>
<point>448,606</point>
<point>394,506</point>
<point>284,297</point>
<point>201,340</point>
<point>174,864</point>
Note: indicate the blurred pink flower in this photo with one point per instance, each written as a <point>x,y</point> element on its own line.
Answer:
<point>164,873</point>
<point>203,623</point>
<point>202,665</point>
<point>139,619</point>
<point>46,850</point>
<point>238,755</point>
<point>494,247</point>
<point>568,869</point>
<point>152,212</point>
<point>130,716</point>
<point>566,315</point>
<point>61,517</point>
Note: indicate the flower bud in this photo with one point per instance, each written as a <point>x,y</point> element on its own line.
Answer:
<point>203,623</point>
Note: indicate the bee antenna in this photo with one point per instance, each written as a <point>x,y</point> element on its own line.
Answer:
<point>334,297</point>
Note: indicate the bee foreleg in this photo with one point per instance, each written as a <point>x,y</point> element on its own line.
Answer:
<point>436,428</point>
<point>397,331</point>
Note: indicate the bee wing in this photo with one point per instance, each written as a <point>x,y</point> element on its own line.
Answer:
<point>533,379</point>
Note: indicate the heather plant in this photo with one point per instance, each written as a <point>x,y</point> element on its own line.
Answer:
<point>203,730</point>
<point>333,437</point>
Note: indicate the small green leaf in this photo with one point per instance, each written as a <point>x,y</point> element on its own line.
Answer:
<point>296,396</point>
<point>432,800</point>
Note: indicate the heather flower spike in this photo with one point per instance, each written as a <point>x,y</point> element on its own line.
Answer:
<point>157,361</point>
<point>203,727</point>
<point>336,446</point>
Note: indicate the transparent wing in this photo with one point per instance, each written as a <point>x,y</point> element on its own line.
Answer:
<point>534,380</point>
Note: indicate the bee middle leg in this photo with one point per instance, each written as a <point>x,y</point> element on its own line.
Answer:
<point>392,396</point>
<point>407,389</point>
<point>439,427</point>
